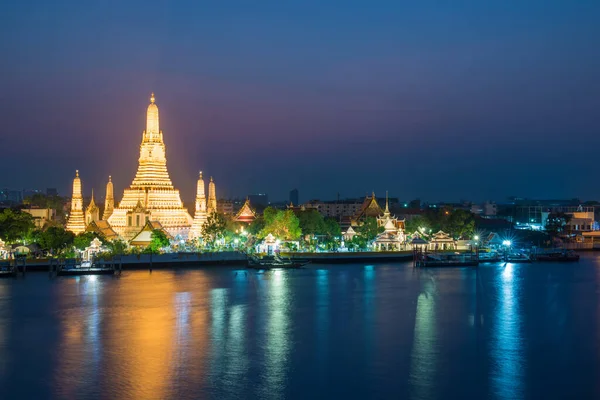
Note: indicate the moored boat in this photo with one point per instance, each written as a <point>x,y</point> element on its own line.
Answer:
<point>7,270</point>
<point>516,258</point>
<point>271,262</point>
<point>557,255</point>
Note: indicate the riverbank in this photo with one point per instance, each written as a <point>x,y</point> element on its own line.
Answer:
<point>226,258</point>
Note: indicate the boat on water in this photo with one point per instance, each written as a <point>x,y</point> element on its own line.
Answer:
<point>7,270</point>
<point>446,260</point>
<point>557,255</point>
<point>489,257</point>
<point>274,261</point>
<point>516,258</point>
<point>84,268</point>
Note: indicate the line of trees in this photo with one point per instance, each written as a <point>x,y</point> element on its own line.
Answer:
<point>460,224</point>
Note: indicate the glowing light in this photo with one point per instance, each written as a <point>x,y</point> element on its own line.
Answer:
<point>151,193</point>
<point>506,243</point>
<point>476,237</point>
<point>76,222</point>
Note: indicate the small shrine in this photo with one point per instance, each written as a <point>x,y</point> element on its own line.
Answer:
<point>269,245</point>
<point>441,241</point>
<point>93,249</point>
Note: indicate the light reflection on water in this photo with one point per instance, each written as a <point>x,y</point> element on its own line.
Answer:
<point>507,353</point>
<point>424,353</point>
<point>278,342</point>
<point>330,332</point>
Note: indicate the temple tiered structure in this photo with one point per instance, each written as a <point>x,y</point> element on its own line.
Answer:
<point>200,212</point>
<point>212,197</point>
<point>76,222</point>
<point>151,196</point>
<point>109,202</point>
<point>92,212</point>
<point>392,238</point>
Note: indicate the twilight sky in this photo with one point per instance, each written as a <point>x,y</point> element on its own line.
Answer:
<point>431,99</point>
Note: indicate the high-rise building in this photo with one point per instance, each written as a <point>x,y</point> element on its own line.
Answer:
<point>225,206</point>
<point>294,197</point>
<point>11,196</point>
<point>76,223</point>
<point>151,196</point>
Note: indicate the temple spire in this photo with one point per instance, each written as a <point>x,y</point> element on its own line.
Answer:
<point>92,212</point>
<point>200,213</point>
<point>387,208</point>
<point>109,202</point>
<point>151,188</point>
<point>212,197</point>
<point>76,223</point>
<point>152,125</point>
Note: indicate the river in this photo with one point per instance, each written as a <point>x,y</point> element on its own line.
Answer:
<point>384,331</point>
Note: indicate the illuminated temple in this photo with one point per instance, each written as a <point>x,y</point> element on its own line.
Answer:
<point>151,196</point>
<point>76,222</point>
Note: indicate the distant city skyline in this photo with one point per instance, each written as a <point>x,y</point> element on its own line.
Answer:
<point>465,100</point>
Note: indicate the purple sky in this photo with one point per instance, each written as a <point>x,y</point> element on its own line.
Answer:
<point>438,100</point>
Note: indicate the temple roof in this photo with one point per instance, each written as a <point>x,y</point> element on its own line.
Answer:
<point>103,229</point>
<point>370,208</point>
<point>441,236</point>
<point>144,236</point>
<point>245,214</point>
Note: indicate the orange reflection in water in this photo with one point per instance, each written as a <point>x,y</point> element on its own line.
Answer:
<point>148,324</point>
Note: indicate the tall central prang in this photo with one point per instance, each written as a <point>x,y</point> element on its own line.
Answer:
<point>151,196</point>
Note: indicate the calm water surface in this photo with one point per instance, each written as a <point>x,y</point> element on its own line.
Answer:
<point>344,331</point>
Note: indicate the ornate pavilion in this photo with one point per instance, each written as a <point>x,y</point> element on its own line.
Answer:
<point>392,238</point>
<point>151,197</point>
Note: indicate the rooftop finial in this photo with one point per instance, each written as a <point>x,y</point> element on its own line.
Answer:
<point>76,173</point>
<point>152,99</point>
<point>386,202</point>
<point>110,178</point>
<point>200,174</point>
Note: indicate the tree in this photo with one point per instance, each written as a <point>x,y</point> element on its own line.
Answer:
<point>311,222</point>
<point>556,223</point>
<point>332,232</point>
<point>83,240</point>
<point>283,225</point>
<point>159,240</point>
<point>369,229</point>
<point>15,225</point>
<point>256,226</point>
<point>117,246</point>
<point>214,228</point>
<point>416,223</point>
<point>460,224</point>
<point>55,239</point>
<point>332,228</point>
